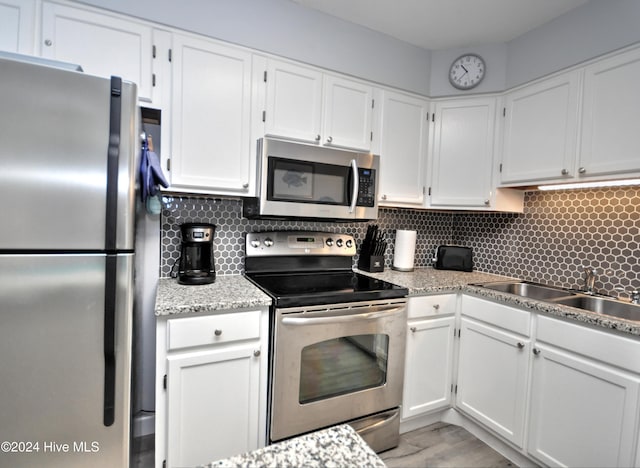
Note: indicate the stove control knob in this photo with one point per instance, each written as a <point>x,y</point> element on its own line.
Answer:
<point>349,243</point>
<point>255,243</point>
<point>339,243</point>
<point>268,242</point>
<point>329,242</point>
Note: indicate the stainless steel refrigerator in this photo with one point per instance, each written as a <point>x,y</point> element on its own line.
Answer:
<point>68,147</point>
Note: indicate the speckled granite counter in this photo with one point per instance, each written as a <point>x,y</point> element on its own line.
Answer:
<point>227,292</point>
<point>338,446</point>
<point>431,281</point>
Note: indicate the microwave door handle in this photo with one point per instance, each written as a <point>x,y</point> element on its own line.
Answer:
<point>356,186</point>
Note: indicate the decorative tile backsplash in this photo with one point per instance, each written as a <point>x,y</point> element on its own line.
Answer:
<point>558,235</point>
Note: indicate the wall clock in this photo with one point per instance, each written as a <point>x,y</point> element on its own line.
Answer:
<point>467,71</point>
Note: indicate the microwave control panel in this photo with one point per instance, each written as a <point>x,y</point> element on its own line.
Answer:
<point>366,187</point>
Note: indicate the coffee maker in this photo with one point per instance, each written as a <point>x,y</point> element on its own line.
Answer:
<point>196,256</point>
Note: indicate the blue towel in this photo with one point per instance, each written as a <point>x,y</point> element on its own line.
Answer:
<point>151,175</point>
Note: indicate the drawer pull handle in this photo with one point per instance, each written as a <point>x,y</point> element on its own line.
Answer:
<point>218,332</point>
<point>413,329</point>
<point>536,351</point>
<point>436,307</point>
<point>520,345</point>
<point>256,353</point>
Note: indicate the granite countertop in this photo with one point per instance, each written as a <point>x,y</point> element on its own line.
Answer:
<point>338,446</point>
<point>227,292</point>
<point>429,281</point>
<point>237,292</point>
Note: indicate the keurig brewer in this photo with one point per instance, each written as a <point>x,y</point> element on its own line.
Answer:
<point>196,257</point>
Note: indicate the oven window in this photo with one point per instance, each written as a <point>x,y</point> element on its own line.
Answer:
<point>343,365</point>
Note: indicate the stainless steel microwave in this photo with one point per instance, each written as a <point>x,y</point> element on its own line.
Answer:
<point>297,180</point>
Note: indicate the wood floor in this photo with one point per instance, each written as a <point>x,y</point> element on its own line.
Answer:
<point>438,445</point>
<point>442,445</point>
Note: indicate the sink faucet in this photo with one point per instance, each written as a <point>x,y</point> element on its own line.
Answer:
<point>589,280</point>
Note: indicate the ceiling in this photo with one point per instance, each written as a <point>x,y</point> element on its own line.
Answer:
<point>446,24</point>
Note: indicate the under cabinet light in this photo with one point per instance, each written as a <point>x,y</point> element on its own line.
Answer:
<point>581,185</point>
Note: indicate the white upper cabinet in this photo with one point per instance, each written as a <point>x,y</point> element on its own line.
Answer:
<point>102,44</point>
<point>462,156</point>
<point>540,128</point>
<point>211,144</point>
<point>403,153</point>
<point>347,113</point>
<point>610,137</point>
<point>294,101</point>
<point>304,104</point>
<point>17,26</point>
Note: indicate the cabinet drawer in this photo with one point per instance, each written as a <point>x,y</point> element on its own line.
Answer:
<point>427,306</point>
<point>212,329</point>
<point>603,346</point>
<point>509,318</point>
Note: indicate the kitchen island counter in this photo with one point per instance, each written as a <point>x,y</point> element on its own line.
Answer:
<point>338,446</point>
<point>227,292</point>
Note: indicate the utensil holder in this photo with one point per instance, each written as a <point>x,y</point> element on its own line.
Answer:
<point>371,263</point>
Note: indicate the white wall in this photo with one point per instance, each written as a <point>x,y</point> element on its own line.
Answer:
<point>593,29</point>
<point>285,28</point>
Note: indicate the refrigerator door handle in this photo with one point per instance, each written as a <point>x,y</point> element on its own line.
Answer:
<point>111,224</point>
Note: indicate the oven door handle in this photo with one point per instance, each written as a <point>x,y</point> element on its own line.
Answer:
<point>340,318</point>
<point>356,185</point>
<point>389,417</point>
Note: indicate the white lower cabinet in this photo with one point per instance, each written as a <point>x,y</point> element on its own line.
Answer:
<point>492,378</point>
<point>429,355</point>
<point>212,402</point>
<point>584,410</point>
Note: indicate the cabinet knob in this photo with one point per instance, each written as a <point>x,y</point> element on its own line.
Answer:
<point>413,329</point>
<point>487,201</point>
<point>329,139</point>
<point>48,42</point>
<point>317,137</point>
<point>436,307</point>
<point>520,345</point>
<point>218,332</point>
<point>536,351</point>
<point>245,185</point>
<point>256,353</point>
<point>582,170</point>
<point>564,172</point>
<point>384,197</point>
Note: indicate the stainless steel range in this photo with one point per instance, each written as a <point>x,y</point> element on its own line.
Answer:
<point>337,337</point>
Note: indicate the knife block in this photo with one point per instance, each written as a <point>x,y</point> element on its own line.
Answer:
<point>371,263</point>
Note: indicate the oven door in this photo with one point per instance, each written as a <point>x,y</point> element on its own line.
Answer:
<point>335,363</point>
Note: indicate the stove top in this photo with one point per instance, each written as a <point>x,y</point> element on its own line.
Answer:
<point>299,268</point>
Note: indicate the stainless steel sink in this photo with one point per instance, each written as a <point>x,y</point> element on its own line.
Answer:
<point>529,290</point>
<point>603,305</point>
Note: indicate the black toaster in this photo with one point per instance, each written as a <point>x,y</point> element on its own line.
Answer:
<point>453,257</point>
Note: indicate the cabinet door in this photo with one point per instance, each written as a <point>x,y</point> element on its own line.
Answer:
<point>16,26</point>
<point>294,102</point>
<point>403,153</point>
<point>213,404</point>
<point>347,113</point>
<point>540,130</point>
<point>463,153</point>
<point>582,413</point>
<point>492,378</point>
<point>103,45</point>
<point>610,137</point>
<point>429,364</point>
<point>211,109</point>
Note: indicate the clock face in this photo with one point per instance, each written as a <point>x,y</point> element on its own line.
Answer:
<point>467,71</point>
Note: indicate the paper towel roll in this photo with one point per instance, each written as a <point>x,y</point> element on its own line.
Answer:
<point>404,251</point>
